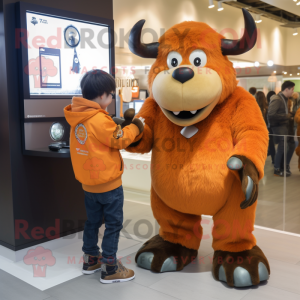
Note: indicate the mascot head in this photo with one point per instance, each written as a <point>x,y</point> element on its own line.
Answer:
<point>192,73</point>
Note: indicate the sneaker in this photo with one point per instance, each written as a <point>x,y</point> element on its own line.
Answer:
<point>91,264</point>
<point>115,273</point>
<point>278,172</point>
<point>288,171</point>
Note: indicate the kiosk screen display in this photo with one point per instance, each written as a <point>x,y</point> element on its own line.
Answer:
<point>61,51</point>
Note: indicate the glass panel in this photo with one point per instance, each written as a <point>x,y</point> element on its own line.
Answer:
<point>271,191</point>
<point>292,197</point>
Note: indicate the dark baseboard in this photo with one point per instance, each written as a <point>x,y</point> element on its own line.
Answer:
<point>37,242</point>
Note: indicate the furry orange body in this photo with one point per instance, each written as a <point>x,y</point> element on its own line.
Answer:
<point>190,176</point>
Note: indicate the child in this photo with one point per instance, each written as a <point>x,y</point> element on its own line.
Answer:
<point>95,141</point>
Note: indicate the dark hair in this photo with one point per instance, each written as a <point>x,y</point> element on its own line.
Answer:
<point>269,95</point>
<point>287,85</point>
<point>95,83</point>
<point>252,91</point>
<point>262,103</point>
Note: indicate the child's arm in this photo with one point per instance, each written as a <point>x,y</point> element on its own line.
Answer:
<point>113,136</point>
<point>143,142</point>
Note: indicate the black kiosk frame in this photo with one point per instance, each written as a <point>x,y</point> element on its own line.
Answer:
<point>39,113</point>
<point>41,200</point>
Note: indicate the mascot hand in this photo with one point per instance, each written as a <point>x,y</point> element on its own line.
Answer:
<point>129,119</point>
<point>248,175</point>
<point>128,115</point>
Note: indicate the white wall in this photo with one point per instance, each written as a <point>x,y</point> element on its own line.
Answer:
<point>293,48</point>
<point>164,14</point>
<point>262,83</point>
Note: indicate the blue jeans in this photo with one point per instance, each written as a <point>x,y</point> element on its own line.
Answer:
<point>109,205</point>
<point>279,158</point>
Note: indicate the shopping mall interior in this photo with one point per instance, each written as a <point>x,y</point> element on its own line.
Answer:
<point>46,47</point>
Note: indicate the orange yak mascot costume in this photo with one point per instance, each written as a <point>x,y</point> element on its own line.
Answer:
<point>209,144</point>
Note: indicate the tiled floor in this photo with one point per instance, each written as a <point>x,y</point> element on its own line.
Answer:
<point>194,282</point>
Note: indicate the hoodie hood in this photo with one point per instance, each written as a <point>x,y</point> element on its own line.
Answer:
<point>81,110</point>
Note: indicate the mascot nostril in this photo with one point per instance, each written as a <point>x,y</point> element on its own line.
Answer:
<point>217,147</point>
<point>183,74</point>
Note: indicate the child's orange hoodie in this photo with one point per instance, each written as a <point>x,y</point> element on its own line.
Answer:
<point>95,141</point>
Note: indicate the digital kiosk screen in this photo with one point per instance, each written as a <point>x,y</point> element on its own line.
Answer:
<point>61,51</point>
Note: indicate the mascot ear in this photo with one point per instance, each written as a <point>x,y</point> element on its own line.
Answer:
<point>246,43</point>
<point>138,48</point>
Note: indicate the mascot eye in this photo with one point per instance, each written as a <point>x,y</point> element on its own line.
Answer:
<point>174,59</point>
<point>198,58</point>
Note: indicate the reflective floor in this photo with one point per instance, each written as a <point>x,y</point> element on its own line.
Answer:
<point>278,206</point>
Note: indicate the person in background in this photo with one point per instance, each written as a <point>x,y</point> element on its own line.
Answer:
<point>252,91</point>
<point>294,105</point>
<point>297,119</point>
<point>263,104</point>
<point>271,149</point>
<point>279,116</point>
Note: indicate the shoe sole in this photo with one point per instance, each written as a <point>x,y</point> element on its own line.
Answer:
<point>281,176</point>
<point>116,280</point>
<point>90,272</point>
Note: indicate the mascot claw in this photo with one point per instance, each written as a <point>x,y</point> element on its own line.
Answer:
<point>245,168</point>
<point>242,278</point>
<point>241,269</point>
<point>145,259</point>
<point>234,163</point>
<point>160,256</point>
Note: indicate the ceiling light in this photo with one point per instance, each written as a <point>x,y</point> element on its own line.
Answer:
<point>270,63</point>
<point>295,0</point>
<point>220,7</point>
<point>258,19</point>
<point>298,73</point>
<point>296,30</point>
<point>256,64</point>
<point>211,4</point>
<point>285,73</point>
<point>274,72</point>
<point>298,3</point>
<point>291,74</point>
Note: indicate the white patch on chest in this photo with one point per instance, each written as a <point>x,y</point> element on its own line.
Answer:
<point>189,131</point>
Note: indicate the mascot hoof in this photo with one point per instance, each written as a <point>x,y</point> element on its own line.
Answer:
<point>242,278</point>
<point>145,260</point>
<point>160,256</point>
<point>241,269</point>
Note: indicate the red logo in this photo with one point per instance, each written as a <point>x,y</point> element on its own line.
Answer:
<point>39,258</point>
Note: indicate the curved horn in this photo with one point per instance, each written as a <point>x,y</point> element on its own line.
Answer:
<point>246,43</point>
<point>138,48</point>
